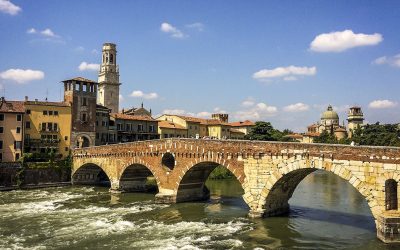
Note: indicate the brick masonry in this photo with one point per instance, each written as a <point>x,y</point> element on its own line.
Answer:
<point>269,172</point>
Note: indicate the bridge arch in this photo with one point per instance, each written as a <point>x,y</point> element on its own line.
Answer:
<point>279,189</point>
<point>191,185</point>
<point>91,174</point>
<point>134,177</point>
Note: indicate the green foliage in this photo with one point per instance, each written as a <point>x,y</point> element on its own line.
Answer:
<point>377,135</point>
<point>264,131</point>
<point>220,172</point>
<point>326,137</point>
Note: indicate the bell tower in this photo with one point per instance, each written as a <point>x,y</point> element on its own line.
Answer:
<point>108,88</point>
<point>355,119</point>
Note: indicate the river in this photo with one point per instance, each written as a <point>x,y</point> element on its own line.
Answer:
<point>326,212</point>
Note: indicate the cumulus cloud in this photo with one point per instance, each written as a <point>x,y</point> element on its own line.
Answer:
<point>141,94</point>
<point>31,31</point>
<point>255,111</point>
<point>197,26</point>
<point>8,7</point>
<point>173,31</point>
<point>21,75</point>
<point>389,60</point>
<point>48,32</point>
<point>84,66</point>
<point>298,107</point>
<point>382,104</point>
<point>343,40</point>
<point>287,73</point>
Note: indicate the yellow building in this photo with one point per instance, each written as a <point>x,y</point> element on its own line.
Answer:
<point>167,129</point>
<point>11,130</point>
<point>215,128</point>
<point>47,126</point>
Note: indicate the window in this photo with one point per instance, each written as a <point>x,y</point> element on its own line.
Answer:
<point>55,112</point>
<point>16,156</point>
<point>19,118</point>
<point>77,88</point>
<point>84,101</point>
<point>151,128</point>
<point>17,145</point>
<point>111,58</point>
<point>49,126</point>
<point>85,88</point>
<point>1,117</point>
<point>83,117</point>
<point>97,136</point>
<point>28,125</point>
<point>1,144</point>
<point>1,156</point>
<point>1,130</point>
<point>43,137</point>
<point>43,126</point>
<point>66,138</point>
<point>44,112</point>
<point>50,112</point>
<point>55,127</point>
<point>66,149</point>
<point>18,130</point>
<point>55,137</point>
<point>28,111</point>
<point>128,127</point>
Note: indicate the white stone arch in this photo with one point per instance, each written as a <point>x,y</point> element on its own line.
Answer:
<point>337,169</point>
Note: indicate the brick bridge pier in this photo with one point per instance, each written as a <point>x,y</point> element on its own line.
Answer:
<point>269,172</point>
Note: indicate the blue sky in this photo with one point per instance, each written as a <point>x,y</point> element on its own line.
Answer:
<point>279,61</point>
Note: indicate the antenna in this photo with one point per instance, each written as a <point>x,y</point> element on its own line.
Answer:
<point>47,93</point>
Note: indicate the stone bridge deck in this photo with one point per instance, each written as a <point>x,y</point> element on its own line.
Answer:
<point>269,172</point>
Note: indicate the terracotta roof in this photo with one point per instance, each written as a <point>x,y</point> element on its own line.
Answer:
<point>12,106</point>
<point>201,120</point>
<point>46,103</point>
<point>236,131</point>
<point>132,117</point>
<point>312,134</point>
<point>295,136</point>
<point>168,124</point>
<point>242,124</point>
<point>192,119</point>
<point>81,79</point>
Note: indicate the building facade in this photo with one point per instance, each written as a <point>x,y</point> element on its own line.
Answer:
<point>47,127</point>
<point>108,91</point>
<point>130,128</point>
<point>167,129</point>
<point>81,94</point>
<point>355,119</point>
<point>11,130</point>
<point>103,126</point>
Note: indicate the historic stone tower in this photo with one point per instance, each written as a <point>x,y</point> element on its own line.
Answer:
<point>355,119</point>
<point>108,91</point>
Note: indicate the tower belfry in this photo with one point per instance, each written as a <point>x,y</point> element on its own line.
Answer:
<point>108,88</point>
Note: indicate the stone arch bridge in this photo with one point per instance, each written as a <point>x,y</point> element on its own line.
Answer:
<point>269,172</point>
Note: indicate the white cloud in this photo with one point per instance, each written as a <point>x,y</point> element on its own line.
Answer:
<point>22,75</point>
<point>31,31</point>
<point>343,40</point>
<point>174,111</point>
<point>382,104</point>
<point>48,32</point>
<point>198,26</point>
<point>391,60</point>
<point>140,94</point>
<point>88,66</point>
<point>121,98</point>
<point>8,7</point>
<point>288,73</point>
<point>173,31</point>
<point>298,107</point>
<point>258,111</point>
<point>248,102</point>
<point>203,114</point>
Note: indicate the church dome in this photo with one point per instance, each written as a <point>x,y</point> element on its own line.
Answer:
<point>329,114</point>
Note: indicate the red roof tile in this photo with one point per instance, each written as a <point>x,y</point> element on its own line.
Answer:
<point>242,124</point>
<point>12,106</point>
<point>168,124</point>
<point>132,117</point>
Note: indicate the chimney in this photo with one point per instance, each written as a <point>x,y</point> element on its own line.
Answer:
<point>26,98</point>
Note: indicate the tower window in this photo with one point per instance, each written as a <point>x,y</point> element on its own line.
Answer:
<point>85,88</point>
<point>84,103</point>
<point>77,86</point>
<point>111,58</point>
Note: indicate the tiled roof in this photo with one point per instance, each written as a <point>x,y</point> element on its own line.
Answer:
<point>242,124</point>
<point>294,136</point>
<point>312,134</point>
<point>132,117</point>
<point>81,79</point>
<point>168,124</point>
<point>46,103</point>
<point>236,131</point>
<point>12,107</point>
<point>192,119</point>
<point>201,120</point>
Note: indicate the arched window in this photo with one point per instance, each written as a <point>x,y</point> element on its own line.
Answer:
<point>390,194</point>
<point>111,58</point>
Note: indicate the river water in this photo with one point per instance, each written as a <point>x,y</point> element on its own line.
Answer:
<point>326,212</point>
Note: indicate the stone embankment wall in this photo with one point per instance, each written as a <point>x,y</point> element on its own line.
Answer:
<point>14,176</point>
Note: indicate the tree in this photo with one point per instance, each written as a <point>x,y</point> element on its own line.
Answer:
<point>264,131</point>
<point>326,137</point>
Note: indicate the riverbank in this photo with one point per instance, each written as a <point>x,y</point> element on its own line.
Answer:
<point>15,176</point>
